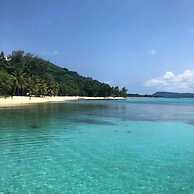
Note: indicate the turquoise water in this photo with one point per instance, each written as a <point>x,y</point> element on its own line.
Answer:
<point>135,146</point>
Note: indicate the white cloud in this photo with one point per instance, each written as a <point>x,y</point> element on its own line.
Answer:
<point>152,51</point>
<point>183,82</point>
<point>169,75</point>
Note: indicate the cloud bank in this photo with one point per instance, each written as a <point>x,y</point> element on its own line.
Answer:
<point>183,82</point>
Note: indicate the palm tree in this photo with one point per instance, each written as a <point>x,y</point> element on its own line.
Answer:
<point>19,82</point>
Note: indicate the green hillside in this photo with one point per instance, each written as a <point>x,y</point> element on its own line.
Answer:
<point>25,74</point>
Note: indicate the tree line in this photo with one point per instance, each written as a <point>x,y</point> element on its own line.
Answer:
<point>23,74</point>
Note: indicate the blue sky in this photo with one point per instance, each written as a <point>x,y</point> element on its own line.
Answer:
<point>143,45</point>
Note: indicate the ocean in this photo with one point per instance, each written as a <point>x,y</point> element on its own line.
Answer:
<point>133,146</point>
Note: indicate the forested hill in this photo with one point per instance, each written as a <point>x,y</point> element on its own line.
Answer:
<point>25,74</point>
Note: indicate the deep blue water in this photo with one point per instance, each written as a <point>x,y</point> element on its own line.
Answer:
<point>134,146</point>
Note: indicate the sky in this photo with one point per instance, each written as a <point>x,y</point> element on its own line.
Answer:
<point>144,45</point>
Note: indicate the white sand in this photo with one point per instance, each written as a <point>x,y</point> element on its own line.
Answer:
<point>24,100</point>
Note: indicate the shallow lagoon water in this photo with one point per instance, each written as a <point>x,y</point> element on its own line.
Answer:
<point>138,146</point>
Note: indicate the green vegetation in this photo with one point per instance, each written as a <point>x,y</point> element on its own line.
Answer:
<point>23,74</point>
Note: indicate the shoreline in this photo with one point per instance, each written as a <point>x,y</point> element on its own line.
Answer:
<point>26,100</point>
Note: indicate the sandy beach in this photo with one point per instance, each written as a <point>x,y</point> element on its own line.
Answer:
<point>24,100</point>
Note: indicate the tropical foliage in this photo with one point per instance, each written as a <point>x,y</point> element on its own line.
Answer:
<point>25,74</point>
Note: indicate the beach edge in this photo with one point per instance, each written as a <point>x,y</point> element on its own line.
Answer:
<point>26,100</point>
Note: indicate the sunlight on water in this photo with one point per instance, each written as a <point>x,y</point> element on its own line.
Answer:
<point>139,146</point>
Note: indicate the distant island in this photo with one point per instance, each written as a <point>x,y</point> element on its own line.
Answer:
<point>23,74</point>
<point>165,95</point>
